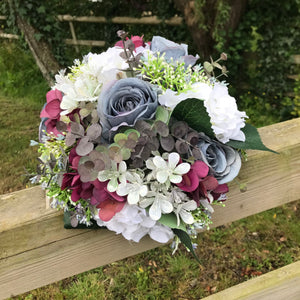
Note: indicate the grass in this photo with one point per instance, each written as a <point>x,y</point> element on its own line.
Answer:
<point>230,254</point>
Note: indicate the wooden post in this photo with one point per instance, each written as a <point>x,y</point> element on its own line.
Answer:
<point>73,36</point>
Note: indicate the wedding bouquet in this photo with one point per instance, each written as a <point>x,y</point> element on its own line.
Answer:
<point>142,140</point>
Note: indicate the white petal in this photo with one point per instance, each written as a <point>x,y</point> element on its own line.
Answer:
<point>122,166</point>
<point>190,205</point>
<point>123,189</point>
<point>112,185</point>
<point>146,202</point>
<point>175,178</point>
<point>102,176</point>
<point>186,217</point>
<point>173,160</point>
<point>159,162</point>
<point>161,234</point>
<point>162,176</point>
<point>206,204</point>
<point>133,197</point>
<point>182,168</point>
<point>143,190</point>
<point>149,164</point>
<point>155,211</point>
<point>166,206</point>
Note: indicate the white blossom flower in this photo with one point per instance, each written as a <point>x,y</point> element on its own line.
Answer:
<point>182,206</point>
<point>159,204</point>
<point>225,117</point>
<point>114,175</point>
<point>133,223</point>
<point>168,170</point>
<point>87,78</point>
<point>134,188</point>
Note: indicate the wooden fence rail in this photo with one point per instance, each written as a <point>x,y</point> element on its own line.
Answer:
<point>151,20</point>
<point>36,250</point>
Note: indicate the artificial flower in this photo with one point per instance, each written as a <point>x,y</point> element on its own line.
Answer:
<point>227,121</point>
<point>124,102</point>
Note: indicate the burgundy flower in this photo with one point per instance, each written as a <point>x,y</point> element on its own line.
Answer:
<point>108,202</point>
<point>190,181</point>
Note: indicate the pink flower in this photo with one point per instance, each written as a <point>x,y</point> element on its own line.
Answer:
<point>52,109</point>
<point>137,40</point>
<point>108,208</point>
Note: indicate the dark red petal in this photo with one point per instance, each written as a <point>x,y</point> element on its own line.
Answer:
<point>221,189</point>
<point>210,183</point>
<point>75,196</point>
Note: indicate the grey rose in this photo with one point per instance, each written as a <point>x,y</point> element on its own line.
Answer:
<point>223,161</point>
<point>178,52</point>
<point>124,102</point>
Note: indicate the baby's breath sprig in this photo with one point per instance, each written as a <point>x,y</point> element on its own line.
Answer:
<point>171,75</point>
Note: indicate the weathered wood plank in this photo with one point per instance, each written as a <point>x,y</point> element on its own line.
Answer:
<point>85,42</point>
<point>152,20</point>
<point>35,250</point>
<point>283,283</point>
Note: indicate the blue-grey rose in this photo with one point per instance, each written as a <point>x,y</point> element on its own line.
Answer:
<point>178,52</point>
<point>223,161</point>
<point>125,102</point>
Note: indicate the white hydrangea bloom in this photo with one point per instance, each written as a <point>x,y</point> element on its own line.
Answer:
<point>225,117</point>
<point>133,223</point>
<point>199,90</point>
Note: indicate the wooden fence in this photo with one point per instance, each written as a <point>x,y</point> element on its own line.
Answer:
<point>36,250</point>
<point>151,20</point>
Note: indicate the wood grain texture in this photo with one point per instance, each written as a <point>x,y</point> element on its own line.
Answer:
<point>280,284</point>
<point>36,250</point>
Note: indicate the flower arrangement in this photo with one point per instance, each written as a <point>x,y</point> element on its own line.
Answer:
<point>142,140</point>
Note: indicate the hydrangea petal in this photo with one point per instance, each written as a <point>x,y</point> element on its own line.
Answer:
<point>133,197</point>
<point>173,160</point>
<point>162,176</point>
<point>182,168</point>
<point>155,211</point>
<point>175,178</point>
<point>159,162</point>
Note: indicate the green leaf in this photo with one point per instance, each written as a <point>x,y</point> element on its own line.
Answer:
<point>170,220</point>
<point>162,114</point>
<point>253,140</point>
<point>194,113</point>
<point>120,136</point>
<point>186,241</point>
